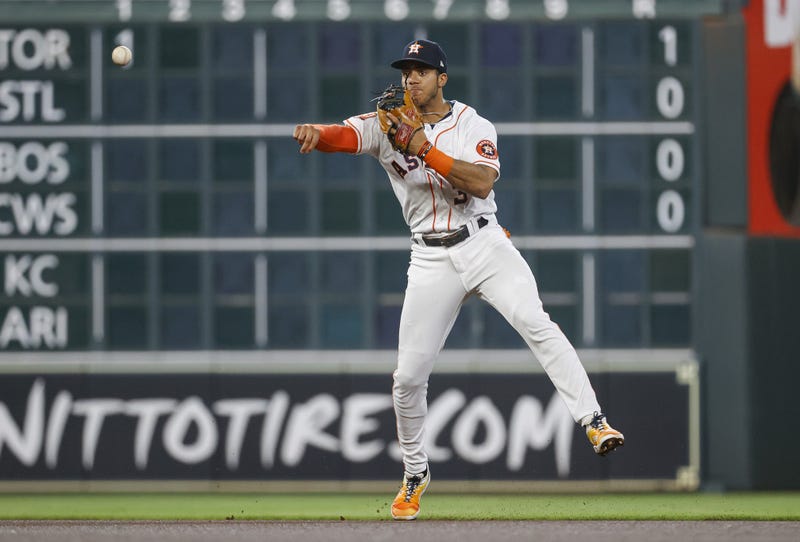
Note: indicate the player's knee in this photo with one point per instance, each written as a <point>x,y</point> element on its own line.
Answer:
<point>406,382</point>
<point>412,372</point>
<point>535,325</point>
<point>530,317</point>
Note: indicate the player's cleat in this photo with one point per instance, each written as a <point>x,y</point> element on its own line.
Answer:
<point>406,504</point>
<point>603,437</point>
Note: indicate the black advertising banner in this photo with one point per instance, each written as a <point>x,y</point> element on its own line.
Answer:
<point>262,427</point>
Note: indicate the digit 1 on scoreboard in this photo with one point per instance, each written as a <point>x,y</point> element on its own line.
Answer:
<point>669,36</point>
<point>124,10</point>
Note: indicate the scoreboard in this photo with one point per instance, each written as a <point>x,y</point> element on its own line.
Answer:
<point>164,206</point>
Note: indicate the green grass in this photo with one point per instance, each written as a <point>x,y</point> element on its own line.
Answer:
<point>249,506</point>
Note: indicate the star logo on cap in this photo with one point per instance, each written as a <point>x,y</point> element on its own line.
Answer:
<point>414,48</point>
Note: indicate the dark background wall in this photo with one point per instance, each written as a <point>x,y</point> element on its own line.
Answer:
<point>746,283</point>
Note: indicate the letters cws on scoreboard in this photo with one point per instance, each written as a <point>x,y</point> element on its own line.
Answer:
<point>31,201</point>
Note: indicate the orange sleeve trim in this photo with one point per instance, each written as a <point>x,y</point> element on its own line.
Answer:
<point>349,123</point>
<point>439,161</point>
<point>337,138</point>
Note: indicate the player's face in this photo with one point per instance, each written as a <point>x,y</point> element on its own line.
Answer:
<point>423,84</point>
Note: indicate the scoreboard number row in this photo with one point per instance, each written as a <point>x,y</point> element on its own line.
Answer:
<point>396,10</point>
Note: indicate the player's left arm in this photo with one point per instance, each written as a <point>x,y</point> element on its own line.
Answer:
<point>473,178</point>
<point>326,138</point>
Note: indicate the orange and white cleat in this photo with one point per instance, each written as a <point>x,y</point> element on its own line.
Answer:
<point>603,437</point>
<point>406,503</point>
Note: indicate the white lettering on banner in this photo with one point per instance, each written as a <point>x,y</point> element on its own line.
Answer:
<point>357,421</point>
<point>531,427</point>
<point>239,411</point>
<point>481,411</point>
<point>18,101</point>
<point>24,275</point>
<point>443,409</point>
<point>95,412</point>
<point>33,162</point>
<point>59,412</point>
<point>26,443</point>
<point>270,431</point>
<point>148,412</point>
<point>30,212</point>
<point>31,49</point>
<point>191,411</point>
<point>304,425</point>
<point>44,326</point>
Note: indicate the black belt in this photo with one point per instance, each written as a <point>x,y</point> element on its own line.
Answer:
<point>452,238</point>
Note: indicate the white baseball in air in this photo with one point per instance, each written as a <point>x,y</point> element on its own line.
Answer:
<point>121,55</point>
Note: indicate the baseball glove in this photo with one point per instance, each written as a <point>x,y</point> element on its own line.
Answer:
<point>397,101</point>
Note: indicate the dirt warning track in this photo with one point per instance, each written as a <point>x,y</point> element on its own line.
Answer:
<point>389,531</point>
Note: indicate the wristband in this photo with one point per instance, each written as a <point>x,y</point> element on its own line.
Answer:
<point>423,150</point>
<point>439,161</point>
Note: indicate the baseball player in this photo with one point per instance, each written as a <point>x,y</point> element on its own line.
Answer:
<point>442,161</point>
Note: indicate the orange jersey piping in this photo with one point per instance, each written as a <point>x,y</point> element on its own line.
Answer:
<point>433,200</point>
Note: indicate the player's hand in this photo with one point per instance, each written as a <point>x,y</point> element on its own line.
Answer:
<point>416,140</point>
<point>398,117</point>
<point>307,135</point>
<point>394,122</point>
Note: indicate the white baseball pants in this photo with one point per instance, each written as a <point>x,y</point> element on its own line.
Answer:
<point>439,281</point>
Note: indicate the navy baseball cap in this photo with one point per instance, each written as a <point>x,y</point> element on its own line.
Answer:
<point>425,52</point>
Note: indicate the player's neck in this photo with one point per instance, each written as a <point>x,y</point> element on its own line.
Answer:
<point>435,112</point>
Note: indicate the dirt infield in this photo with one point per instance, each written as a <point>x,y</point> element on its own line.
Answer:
<point>386,531</point>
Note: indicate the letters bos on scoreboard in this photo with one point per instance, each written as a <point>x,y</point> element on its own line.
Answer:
<point>105,172</point>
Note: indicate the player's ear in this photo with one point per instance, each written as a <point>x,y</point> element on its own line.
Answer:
<point>442,80</point>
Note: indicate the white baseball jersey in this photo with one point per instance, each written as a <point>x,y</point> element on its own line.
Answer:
<point>440,279</point>
<point>430,204</point>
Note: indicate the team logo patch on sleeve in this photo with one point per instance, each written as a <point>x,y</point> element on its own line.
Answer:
<point>487,149</point>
